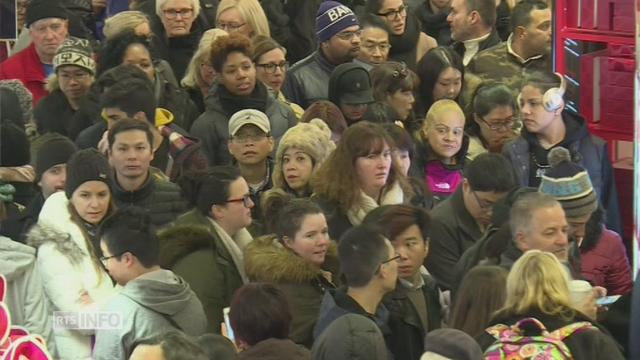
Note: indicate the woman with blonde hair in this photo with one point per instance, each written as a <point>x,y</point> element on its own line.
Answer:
<point>537,287</point>
<point>441,148</point>
<point>358,177</point>
<point>130,20</point>
<point>243,16</point>
<point>200,74</point>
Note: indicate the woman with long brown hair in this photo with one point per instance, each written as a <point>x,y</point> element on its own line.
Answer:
<point>69,256</point>
<point>358,177</point>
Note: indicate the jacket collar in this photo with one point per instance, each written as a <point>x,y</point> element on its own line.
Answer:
<point>518,57</point>
<point>33,67</point>
<point>465,221</point>
<point>134,196</point>
<point>322,60</point>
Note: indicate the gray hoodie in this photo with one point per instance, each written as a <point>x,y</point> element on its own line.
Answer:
<point>146,304</point>
<point>25,297</point>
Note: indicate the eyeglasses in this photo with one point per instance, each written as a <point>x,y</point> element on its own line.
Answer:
<point>348,35</point>
<point>245,138</point>
<point>393,14</point>
<point>76,76</point>
<point>374,46</point>
<point>484,205</point>
<point>231,27</point>
<point>173,13</point>
<point>397,257</point>
<point>245,200</point>
<point>104,259</point>
<point>500,127</point>
<point>270,68</point>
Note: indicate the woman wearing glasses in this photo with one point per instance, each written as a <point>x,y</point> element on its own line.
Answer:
<point>358,177</point>
<point>204,246</point>
<point>271,64</point>
<point>177,32</point>
<point>245,17</point>
<point>493,125</point>
<point>300,259</point>
<point>408,43</point>
<point>68,247</point>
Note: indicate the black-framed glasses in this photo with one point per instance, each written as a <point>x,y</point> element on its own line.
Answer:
<point>270,68</point>
<point>245,200</point>
<point>393,14</point>
<point>173,13</point>
<point>230,27</point>
<point>500,127</point>
<point>104,259</point>
<point>484,205</point>
<point>348,35</point>
<point>397,257</point>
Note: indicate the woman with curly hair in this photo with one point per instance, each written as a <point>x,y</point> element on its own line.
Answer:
<point>236,88</point>
<point>136,50</point>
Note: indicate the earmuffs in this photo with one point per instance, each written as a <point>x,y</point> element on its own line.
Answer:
<point>552,99</point>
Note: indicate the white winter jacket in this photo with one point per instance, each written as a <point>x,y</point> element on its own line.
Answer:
<point>67,271</point>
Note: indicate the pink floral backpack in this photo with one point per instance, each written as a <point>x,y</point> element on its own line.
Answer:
<point>529,339</point>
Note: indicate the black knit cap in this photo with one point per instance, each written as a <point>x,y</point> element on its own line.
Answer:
<point>43,9</point>
<point>86,165</point>
<point>54,149</point>
<point>14,145</point>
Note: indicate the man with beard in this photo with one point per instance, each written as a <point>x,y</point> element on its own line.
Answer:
<point>527,49</point>
<point>338,34</point>
<point>472,25</point>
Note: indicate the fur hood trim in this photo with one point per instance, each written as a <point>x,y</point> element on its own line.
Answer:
<point>63,242</point>
<point>266,259</point>
<point>178,241</point>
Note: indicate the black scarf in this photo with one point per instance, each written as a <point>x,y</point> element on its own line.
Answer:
<point>256,100</point>
<point>404,46</point>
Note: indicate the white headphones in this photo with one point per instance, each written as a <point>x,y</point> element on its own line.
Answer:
<point>552,99</point>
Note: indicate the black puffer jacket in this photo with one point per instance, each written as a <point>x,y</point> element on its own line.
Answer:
<point>160,197</point>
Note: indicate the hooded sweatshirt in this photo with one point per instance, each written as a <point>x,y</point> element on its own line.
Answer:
<point>25,297</point>
<point>150,305</point>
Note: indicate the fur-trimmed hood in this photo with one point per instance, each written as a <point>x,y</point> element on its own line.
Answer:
<point>64,243</point>
<point>178,241</point>
<point>266,259</point>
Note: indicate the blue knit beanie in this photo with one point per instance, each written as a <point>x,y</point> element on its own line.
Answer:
<point>331,18</point>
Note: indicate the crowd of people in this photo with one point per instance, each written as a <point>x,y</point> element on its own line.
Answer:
<point>411,187</point>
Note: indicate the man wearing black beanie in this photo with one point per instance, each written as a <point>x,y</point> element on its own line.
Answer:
<point>48,27</point>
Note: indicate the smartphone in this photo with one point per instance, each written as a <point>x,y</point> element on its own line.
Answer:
<point>227,323</point>
<point>607,300</point>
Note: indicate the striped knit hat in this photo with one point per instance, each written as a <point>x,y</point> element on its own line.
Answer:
<point>570,184</point>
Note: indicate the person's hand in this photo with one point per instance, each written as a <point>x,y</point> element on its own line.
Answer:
<point>85,298</point>
<point>588,306</point>
<point>103,144</point>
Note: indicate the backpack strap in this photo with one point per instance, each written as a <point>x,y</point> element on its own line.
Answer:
<point>566,331</point>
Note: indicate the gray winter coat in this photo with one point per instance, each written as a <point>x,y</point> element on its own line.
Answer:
<point>351,337</point>
<point>212,127</point>
<point>150,305</point>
